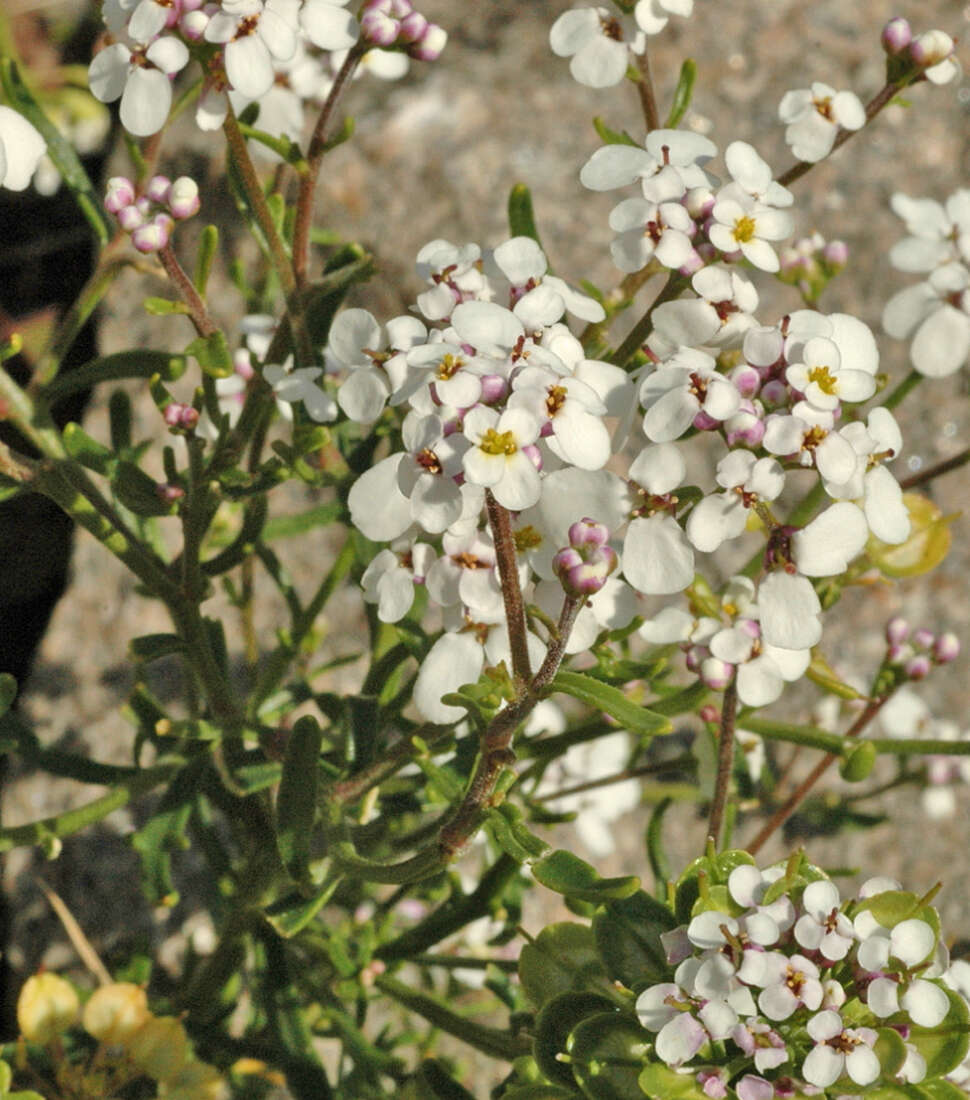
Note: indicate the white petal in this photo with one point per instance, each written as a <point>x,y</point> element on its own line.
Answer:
<point>378,508</point>
<point>789,611</point>
<point>146,101</point>
<point>454,659</point>
<point>657,559</point>
<point>826,546</point>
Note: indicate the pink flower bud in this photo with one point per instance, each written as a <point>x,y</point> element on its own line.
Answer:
<point>896,35</point>
<point>584,574</point>
<point>587,534</point>
<point>918,667</point>
<point>378,28</point>
<point>709,713</point>
<point>180,417</point>
<point>946,649</point>
<point>431,45</point>
<point>183,198</point>
<point>716,673</point>
<point>155,235</point>
<point>158,189</point>
<point>774,394</point>
<point>695,656</point>
<point>494,388</point>
<point>413,27</point>
<point>836,254</point>
<point>131,218</point>
<point>746,379</point>
<point>169,494</point>
<point>120,193</point>
<point>923,638</point>
<point>897,631</point>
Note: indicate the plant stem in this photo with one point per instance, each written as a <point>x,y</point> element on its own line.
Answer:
<point>641,330</point>
<point>618,777</point>
<point>198,314</point>
<point>508,570</point>
<point>794,800</point>
<point>725,760</point>
<point>648,99</point>
<point>315,152</point>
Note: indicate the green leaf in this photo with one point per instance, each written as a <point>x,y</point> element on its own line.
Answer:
<point>164,307</point>
<point>890,1050</point>
<point>659,863</point>
<point>628,937</point>
<point>59,149</point>
<point>522,221</point>
<point>8,692</point>
<point>612,701</point>
<point>940,1089</point>
<point>165,832</point>
<point>945,1046</point>
<point>859,763</point>
<point>86,450</point>
<point>553,1025</point>
<point>292,913</point>
<point>892,906</point>
<point>213,355</point>
<point>568,874</point>
<point>561,959</point>
<point>659,1082</point>
<point>152,647</point>
<point>208,246</point>
<point>136,363</point>
<point>284,527</point>
<point>612,137</point>
<point>510,832</point>
<point>683,93</point>
<point>296,804</point>
<point>539,1092</point>
<point>608,1052</point>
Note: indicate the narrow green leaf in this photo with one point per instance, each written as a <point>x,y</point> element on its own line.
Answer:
<point>208,246</point>
<point>59,149</point>
<point>612,137</point>
<point>522,221</point>
<point>86,450</point>
<point>296,804</point>
<point>612,701</point>
<point>152,647</point>
<point>683,93</point>
<point>136,363</point>
<point>291,914</point>
<point>138,492</point>
<point>437,1083</point>
<point>165,832</point>
<point>163,307</point>
<point>569,875</point>
<point>284,527</point>
<point>659,863</point>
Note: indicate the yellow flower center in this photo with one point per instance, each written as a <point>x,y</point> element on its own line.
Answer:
<point>449,366</point>
<point>498,443</point>
<point>824,379</point>
<point>744,229</point>
<point>555,399</point>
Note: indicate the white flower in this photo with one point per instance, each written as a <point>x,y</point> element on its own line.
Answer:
<point>826,546</point>
<point>789,982</point>
<point>427,472</point>
<point>824,927</point>
<point>650,229</point>
<point>839,1050</point>
<point>747,480</point>
<point>814,117</point>
<point>940,233</point>
<point>746,226</point>
<point>752,177</point>
<point>390,578</point>
<point>497,459</point>
<point>300,385</point>
<point>253,41</point>
<point>653,15</point>
<point>718,317</point>
<point>790,610</point>
<point>21,148</point>
<point>571,409</point>
<point>937,315</point>
<point>670,158</point>
<point>593,38</point>
<point>540,298</point>
<point>679,389</point>
<point>824,381</point>
<point>141,78</point>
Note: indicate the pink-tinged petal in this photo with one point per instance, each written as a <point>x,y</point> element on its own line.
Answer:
<point>680,1039</point>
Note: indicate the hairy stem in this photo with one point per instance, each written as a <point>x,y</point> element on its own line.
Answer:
<point>725,761</point>
<point>508,570</point>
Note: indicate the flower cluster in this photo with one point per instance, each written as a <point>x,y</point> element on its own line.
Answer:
<point>252,51</point>
<point>934,313</point>
<point>150,216</point>
<point>802,989</point>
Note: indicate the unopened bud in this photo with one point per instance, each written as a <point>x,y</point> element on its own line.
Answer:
<point>413,27</point>
<point>154,236</point>
<point>115,1012</point>
<point>930,48</point>
<point>379,28</point>
<point>836,255</point>
<point>47,1007</point>
<point>120,193</point>
<point>183,198</point>
<point>587,534</point>
<point>193,25</point>
<point>130,218</point>
<point>923,638</point>
<point>180,417</point>
<point>169,494</point>
<point>918,667</point>
<point>946,648</point>
<point>897,631</point>
<point>431,45</point>
<point>158,188</point>
<point>896,35</point>
<point>716,673</point>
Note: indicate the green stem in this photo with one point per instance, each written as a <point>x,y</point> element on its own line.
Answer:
<point>725,761</point>
<point>642,329</point>
<point>902,390</point>
<point>500,522</point>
